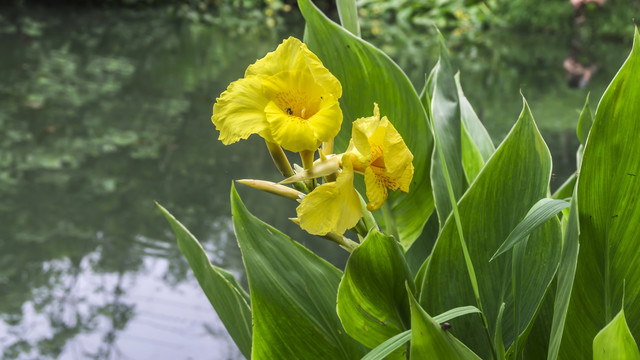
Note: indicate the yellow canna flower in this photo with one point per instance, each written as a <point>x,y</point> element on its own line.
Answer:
<point>288,97</point>
<point>378,151</point>
<point>331,207</point>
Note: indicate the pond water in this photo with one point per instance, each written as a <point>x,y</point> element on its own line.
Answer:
<point>104,112</point>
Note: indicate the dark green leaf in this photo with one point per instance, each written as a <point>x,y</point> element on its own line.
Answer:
<point>389,346</point>
<point>430,341</point>
<point>540,213</point>
<point>584,122</point>
<point>348,13</point>
<point>229,300</point>
<point>519,169</point>
<point>293,294</point>
<point>372,299</point>
<point>477,146</point>
<point>445,109</point>
<point>609,215</point>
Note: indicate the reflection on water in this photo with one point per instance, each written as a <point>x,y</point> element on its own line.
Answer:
<point>104,112</point>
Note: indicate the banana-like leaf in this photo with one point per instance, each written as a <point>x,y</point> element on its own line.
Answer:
<point>368,75</point>
<point>445,109</point>
<point>533,267</point>
<point>395,342</point>
<point>477,146</point>
<point>609,213</point>
<point>348,13</point>
<point>431,341</point>
<point>226,296</point>
<point>540,213</point>
<point>615,341</point>
<point>584,122</point>
<point>293,294</point>
<point>519,169</point>
<point>566,275</point>
<point>372,299</point>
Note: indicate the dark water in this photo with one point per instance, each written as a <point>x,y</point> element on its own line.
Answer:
<point>104,112</point>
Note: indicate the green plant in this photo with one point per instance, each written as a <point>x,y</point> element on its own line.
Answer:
<point>479,260</point>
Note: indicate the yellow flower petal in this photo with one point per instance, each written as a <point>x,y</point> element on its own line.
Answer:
<point>376,190</point>
<point>301,115</point>
<point>396,153</point>
<point>239,111</point>
<point>327,121</point>
<point>363,129</point>
<point>405,180</point>
<point>321,75</point>
<point>331,207</point>
<point>291,132</point>
<point>293,55</point>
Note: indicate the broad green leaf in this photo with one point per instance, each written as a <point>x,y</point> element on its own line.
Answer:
<point>368,75</point>
<point>609,214</point>
<point>445,110</point>
<point>566,189</point>
<point>372,299</point>
<point>293,294</point>
<point>540,213</point>
<point>386,348</point>
<point>348,13</point>
<point>584,122</point>
<point>477,146</point>
<point>615,341</point>
<point>393,343</point>
<point>226,296</point>
<point>421,248</point>
<point>533,267</point>
<point>519,169</point>
<point>430,341</point>
<point>566,275</point>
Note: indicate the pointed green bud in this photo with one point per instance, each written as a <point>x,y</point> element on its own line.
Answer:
<point>273,188</point>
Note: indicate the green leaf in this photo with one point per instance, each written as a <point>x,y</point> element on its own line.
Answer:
<point>372,299</point>
<point>293,294</point>
<point>534,266</point>
<point>519,169</point>
<point>368,75</point>
<point>445,109</point>
<point>226,296</point>
<point>609,214</point>
<point>477,146</point>
<point>498,343</point>
<point>430,341</point>
<point>565,277</point>
<point>615,341</point>
<point>584,122</point>
<point>566,189</point>
<point>393,343</point>
<point>540,213</point>
<point>348,13</point>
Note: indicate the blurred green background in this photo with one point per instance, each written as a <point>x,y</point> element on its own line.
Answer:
<point>105,107</point>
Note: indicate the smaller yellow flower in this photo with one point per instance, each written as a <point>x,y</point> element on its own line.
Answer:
<point>288,97</point>
<point>378,151</point>
<point>331,207</point>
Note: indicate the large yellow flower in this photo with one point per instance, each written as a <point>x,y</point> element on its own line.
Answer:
<point>288,97</point>
<point>333,206</point>
<point>378,151</point>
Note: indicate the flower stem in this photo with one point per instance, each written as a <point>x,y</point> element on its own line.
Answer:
<point>280,159</point>
<point>307,163</point>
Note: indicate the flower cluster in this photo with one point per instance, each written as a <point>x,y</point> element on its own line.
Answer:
<point>291,100</point>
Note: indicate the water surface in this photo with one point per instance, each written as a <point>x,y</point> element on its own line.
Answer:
<point>104,112</point>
